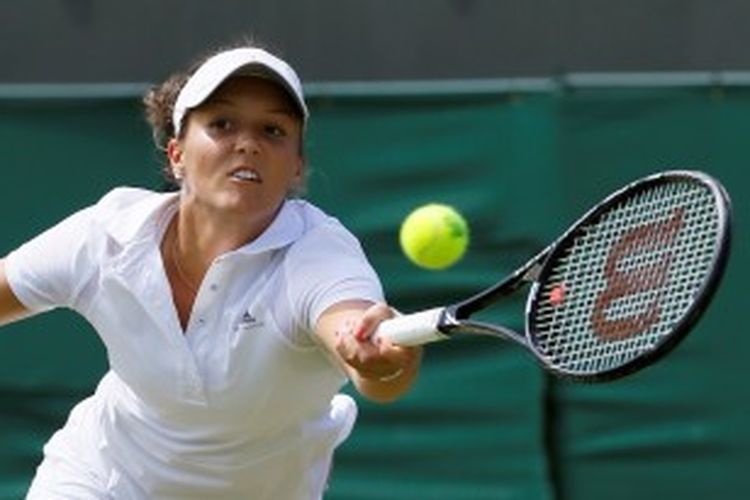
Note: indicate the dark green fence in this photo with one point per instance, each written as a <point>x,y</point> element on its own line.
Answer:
<point>482,422</point>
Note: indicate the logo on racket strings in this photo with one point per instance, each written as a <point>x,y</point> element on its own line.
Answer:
<point>653,237</point>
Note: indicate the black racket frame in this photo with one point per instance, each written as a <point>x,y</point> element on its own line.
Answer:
<point>455,319</point>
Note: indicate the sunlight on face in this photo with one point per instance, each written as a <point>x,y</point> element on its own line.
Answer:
<point>241,152</point>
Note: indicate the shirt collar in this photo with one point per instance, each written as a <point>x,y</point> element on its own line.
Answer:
<point>140,220</point>
<point>136,221</point>
<point>287,227</point>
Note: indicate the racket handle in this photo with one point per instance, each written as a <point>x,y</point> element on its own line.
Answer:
<point>413,329</point>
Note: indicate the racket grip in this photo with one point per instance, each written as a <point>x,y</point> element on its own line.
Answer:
<point>413,329</point>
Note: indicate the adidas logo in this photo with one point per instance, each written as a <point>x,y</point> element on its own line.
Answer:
<point>249,321</point>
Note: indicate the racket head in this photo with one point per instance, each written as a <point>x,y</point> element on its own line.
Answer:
<point>628,281</point>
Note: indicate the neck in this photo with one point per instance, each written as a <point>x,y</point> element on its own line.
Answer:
<point>200,236</point>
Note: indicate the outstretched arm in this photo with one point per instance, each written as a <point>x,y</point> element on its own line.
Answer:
<point>379,370</point>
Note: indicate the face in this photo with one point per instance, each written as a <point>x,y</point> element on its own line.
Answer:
<point>241,151</point>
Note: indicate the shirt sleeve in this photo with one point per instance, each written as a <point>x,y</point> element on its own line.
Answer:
<point>329,266</point>
<point>49,270</point>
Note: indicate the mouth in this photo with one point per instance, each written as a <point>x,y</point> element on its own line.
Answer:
<point>245,175</point>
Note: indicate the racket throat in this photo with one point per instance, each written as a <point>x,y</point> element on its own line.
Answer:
<point>452,323</point>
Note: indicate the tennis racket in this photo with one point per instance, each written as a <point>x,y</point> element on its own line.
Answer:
<point>619,289</point>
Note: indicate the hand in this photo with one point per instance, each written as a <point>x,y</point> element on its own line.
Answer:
<point>374,358</point>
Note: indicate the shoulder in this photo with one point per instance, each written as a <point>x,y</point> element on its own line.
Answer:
<point>320,230</point>
<point>325,265</point>
<point>325,251</point>
<point>122,198</point>
<point>123,211</point>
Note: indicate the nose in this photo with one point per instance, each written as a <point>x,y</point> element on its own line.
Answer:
<point>247,143</point>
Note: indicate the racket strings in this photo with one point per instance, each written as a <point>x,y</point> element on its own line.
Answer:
<point>627,278</point>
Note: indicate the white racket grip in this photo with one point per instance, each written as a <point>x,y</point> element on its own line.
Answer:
<point>413,329</point>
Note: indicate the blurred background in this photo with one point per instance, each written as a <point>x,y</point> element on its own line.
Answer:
<point>520,113</point>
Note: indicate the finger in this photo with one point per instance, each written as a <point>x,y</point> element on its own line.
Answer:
<point>400,356</point>
<point>370,320</point>
<point>346,345</point>
<point>354,352</point>
<point>367,358</point>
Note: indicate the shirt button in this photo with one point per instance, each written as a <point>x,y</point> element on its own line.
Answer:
<point>214,287</point>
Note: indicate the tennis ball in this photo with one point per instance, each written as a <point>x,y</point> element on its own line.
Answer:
<point>434,236</point>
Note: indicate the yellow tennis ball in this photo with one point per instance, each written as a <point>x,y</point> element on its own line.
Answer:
<point>434,236</point>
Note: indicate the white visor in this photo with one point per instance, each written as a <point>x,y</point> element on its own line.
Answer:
<point>243,61</point>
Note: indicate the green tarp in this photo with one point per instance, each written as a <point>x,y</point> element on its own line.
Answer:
<point>482,422</point>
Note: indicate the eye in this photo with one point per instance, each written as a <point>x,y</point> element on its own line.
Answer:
<point>221,124</point>
<point>273,130</point>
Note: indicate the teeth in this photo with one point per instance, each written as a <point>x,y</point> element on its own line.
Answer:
<point>245,175</point>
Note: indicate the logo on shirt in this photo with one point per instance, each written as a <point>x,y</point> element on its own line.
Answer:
<point>249,321</point>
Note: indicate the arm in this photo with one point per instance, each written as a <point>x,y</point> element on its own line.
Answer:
<point>380,371</point>
<point>11,308</point>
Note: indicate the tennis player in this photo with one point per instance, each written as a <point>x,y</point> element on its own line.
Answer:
<point>231,311</point>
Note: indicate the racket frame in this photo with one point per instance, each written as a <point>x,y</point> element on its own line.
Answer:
<point>454,320</point>
<point>704,295</point>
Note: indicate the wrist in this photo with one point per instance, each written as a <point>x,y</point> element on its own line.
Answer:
<point>409,369</point>
<point>391,376</point>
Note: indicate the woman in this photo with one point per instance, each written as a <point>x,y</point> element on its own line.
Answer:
<point>231,314</point>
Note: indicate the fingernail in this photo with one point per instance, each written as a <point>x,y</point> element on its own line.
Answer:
<point>358,334</point>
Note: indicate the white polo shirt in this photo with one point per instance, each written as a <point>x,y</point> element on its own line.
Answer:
<point>243,403</point>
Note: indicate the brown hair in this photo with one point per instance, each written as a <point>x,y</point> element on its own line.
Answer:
<point>159,101</point>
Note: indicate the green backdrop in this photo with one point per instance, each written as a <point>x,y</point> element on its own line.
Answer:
<point>482,422</point>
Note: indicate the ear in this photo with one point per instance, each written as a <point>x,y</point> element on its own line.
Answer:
<point>175,156</point>
<point>300,166</point>
<point>299,170</point>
